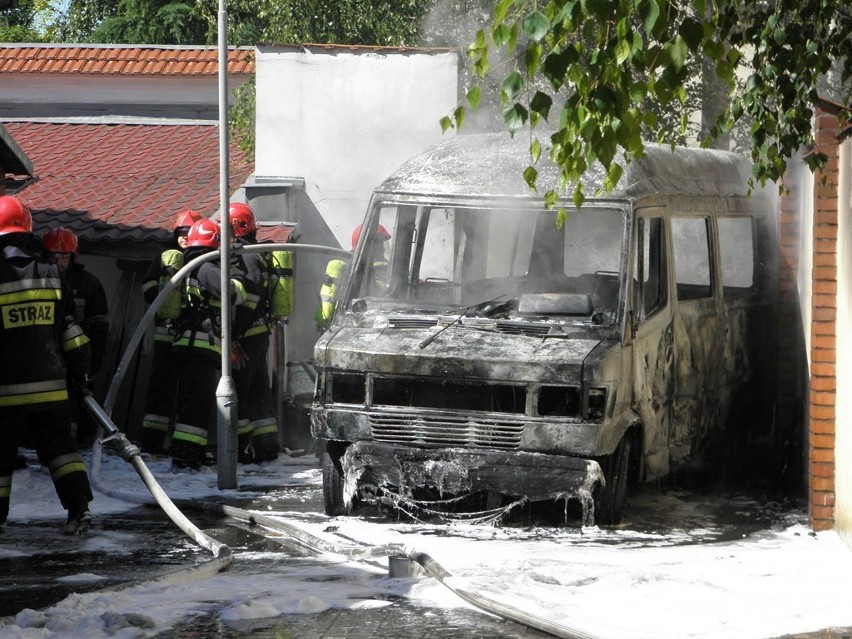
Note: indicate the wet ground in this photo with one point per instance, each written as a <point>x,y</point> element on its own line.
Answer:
<point>143,543</point>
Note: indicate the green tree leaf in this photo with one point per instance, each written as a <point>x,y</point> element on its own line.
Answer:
<point>692,33</point>
<point>474,95</point>
<point>535,150</point>
<point>458,116</point>
<point>555,66</point>
<point>530,175</point>
<point>512,86</point>
<point>532,58</point>
<point>649,11</point>
<point>515,117</point>
<point>541,103</point>
<point>536,25</point>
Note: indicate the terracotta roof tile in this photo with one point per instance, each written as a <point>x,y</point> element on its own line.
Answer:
<point>122,181</point>
<point>122,60</point>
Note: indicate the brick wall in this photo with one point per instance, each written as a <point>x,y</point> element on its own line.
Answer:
<point>823,355</point>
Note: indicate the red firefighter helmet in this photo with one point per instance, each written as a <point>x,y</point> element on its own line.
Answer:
<point>242,219</point>
<point>186,219</point>
<point>203,233</point>
<point>381,230</point>
<point>60,240</point>
<point>14,216</point>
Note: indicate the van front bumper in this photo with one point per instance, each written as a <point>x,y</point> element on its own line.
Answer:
<point>461,471</point>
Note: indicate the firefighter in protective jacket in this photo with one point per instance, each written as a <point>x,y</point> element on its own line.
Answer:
<point>163,382</point>
<point>91,312</point>
<point>40,343</point>
<point>198,347</point>
<point>334,271</point>
<point>269,283</point>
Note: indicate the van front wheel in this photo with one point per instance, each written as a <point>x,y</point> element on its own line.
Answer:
<point>609,500</point>
<point>332,479</point>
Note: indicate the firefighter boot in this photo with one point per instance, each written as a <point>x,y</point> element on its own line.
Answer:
<point>78,522</point>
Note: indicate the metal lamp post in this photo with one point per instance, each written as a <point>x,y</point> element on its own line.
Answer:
<point>226,396</point>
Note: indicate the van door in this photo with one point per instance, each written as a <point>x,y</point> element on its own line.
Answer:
<point>697,334</point>
<point>652,333</point>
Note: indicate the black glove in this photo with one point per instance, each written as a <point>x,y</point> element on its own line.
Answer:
<point>80,382</point>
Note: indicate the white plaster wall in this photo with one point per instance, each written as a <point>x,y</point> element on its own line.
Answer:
<point>346,119</point>
<point>843,423</point>
<point>806,256</point>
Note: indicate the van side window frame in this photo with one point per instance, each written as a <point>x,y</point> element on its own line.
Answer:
<point>651,262</point>
<point>729,254</point>
<point>692,291</point>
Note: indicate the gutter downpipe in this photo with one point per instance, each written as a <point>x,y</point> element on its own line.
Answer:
<point>226,395</point>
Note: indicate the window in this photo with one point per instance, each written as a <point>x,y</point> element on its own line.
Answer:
<point>466,254</point>
<point>692,258</point>
<point>736,254</point>
<point>438,258</point>
<point>650,282</point>
<point>593,241</point>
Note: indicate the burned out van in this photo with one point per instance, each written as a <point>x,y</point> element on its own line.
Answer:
<point>483,351</point>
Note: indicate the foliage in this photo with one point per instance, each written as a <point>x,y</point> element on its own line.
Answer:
<point>151,22</point>
<point>375,22</point>
<point>603,71</point>
<point>242,116</point>
<point>75,20</point>
<point>19,24</point>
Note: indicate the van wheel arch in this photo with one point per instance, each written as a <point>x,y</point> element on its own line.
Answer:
<point>619,468</point>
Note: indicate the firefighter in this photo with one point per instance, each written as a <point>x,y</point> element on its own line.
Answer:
<point>91,312</point>
<point>334,270</point>
<point>41,344</point>
<point>269,280</point>
<point>197,346</point>
<point>163,383</point>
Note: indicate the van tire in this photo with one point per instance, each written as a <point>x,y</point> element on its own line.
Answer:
<point>332,479</point>
<point>609,500</point>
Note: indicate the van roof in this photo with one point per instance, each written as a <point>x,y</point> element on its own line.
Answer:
<point>492,165</point>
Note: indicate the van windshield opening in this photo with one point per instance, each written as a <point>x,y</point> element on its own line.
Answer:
<point>441,258</point>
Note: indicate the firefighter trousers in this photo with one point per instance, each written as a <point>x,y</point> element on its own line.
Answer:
<point>48,430</point>
<point>257,424</point>
<point>198,373</point>
<point>161,399</point>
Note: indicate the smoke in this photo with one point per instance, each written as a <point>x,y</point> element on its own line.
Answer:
<point>454,23</point>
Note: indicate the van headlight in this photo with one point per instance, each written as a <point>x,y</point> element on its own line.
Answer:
<point>596,404</point>
<point>559,401</point>
<point>346,388</point>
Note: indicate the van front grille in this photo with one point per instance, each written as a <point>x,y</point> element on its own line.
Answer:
<point>445,430</point>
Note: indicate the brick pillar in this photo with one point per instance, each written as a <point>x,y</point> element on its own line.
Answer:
<point>823,380</point>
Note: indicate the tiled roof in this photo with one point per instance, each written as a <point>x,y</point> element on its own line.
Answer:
<point>132,60</point>
<point>118,182</point>
<point>12,159</point>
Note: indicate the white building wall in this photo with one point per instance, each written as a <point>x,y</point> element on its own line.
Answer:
<point>843,423</point>
<point>345,118</point>
<point>806,256</point>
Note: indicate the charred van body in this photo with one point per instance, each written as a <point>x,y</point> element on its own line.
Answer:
<point>488,351</point>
